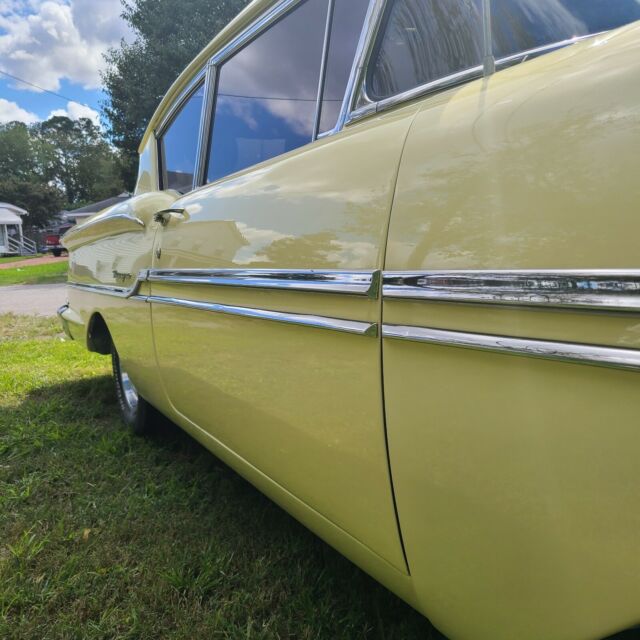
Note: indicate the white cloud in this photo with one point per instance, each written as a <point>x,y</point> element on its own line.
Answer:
<point>10,111</point>
<point>46,41</point>
<point>76,111</point>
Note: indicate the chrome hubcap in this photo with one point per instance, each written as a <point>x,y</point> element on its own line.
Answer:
<point>129,391</point>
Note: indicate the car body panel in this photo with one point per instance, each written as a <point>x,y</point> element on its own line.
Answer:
<point>517,478</point>
<point>523,170</point>
<point>311,397</point>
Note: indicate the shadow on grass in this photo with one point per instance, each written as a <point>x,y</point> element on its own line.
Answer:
<point>118,536</point>
<point>159,526</point>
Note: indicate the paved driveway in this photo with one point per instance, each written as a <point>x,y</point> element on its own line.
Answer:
<point>33,299</point>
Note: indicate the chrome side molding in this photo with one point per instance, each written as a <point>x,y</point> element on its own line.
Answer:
<point>105,224</point>
<point>607,290</point>
<point>563,351</point>
<point>113,290</point>
<point>318,322</point>
<point>363,283</point>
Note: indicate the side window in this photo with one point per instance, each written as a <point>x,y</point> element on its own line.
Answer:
<point>521,25</point>
<point>179,145</point>
<point>346,27</point>
<point>267,92</point>
<point>423,41</point>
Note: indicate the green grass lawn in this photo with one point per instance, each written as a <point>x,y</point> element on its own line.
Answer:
<point>107,535</point>
<point>37,274</point>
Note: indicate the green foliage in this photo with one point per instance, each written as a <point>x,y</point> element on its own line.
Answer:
<point>138,74</point>
<point>55,165</point>
<point>108,535</point>
<point>40,199</point>
<point>85,167</point>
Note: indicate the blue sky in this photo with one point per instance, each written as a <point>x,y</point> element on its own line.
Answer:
<point>57,45</point>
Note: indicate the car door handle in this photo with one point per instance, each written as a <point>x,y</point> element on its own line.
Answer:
<point>165,215</point>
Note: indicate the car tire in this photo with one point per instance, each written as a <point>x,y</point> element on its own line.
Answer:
<point>57,253</point>
<point>135,411</point>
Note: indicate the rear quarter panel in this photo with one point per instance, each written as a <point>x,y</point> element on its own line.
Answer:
<point>517,479</point>
<point>106,252</point>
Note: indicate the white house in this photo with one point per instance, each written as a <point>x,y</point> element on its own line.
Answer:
<point>11,238</point>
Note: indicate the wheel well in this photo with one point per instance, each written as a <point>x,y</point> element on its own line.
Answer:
<point>98,336</point>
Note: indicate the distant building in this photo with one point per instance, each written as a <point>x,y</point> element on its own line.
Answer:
<point>80,215</point>
<point>11,239</point>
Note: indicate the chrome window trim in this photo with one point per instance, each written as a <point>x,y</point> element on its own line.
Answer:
<point>113,290</point>
<point>355,93</point>
<point>180,101</point>
<point>201,79</point>
<point>259,25</point>
<point>313,321</point>
<point>370,21</point>
<point>206,122</point>
<point>242,39</point>
<point>323,68</point>
<point>208,75</point>
<point>210,71</point>
<point>563,351</point>
<point>361,104</point>
<point>594,289</point>
<point>361,283</point>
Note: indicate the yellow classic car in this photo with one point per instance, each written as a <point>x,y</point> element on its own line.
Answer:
<point>381,260</point>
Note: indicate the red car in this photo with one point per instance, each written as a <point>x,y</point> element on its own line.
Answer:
<point>52,240</point>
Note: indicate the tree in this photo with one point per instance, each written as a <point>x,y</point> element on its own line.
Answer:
<point>22,154</point>
<point>56,164</point>
<point>25,178</point>
<point>83,165</point>
<point>40,199</point>
<point>140,73</point>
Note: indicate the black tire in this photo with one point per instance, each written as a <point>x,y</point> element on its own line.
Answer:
<point>135,411</point>
<point>57,252</point>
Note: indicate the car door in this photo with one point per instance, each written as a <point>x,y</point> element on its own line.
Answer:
<point>511,336</point>
<point>265,283</point>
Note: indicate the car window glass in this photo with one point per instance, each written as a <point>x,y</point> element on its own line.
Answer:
<point>267,92</point>
<point>179,145</point>
<point>346,26</point>
<point>423,41</point>
<point>520,25</point>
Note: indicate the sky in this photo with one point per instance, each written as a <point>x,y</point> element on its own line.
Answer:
<point>57,45</point>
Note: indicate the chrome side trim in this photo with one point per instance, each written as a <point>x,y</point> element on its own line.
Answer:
<point>364,283</point>
<point>563,351</point>
<point>318,322</point>
<point>597,289</point>
<point>113,224</point>
<point>112,217</point>
<point>112,290</point>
